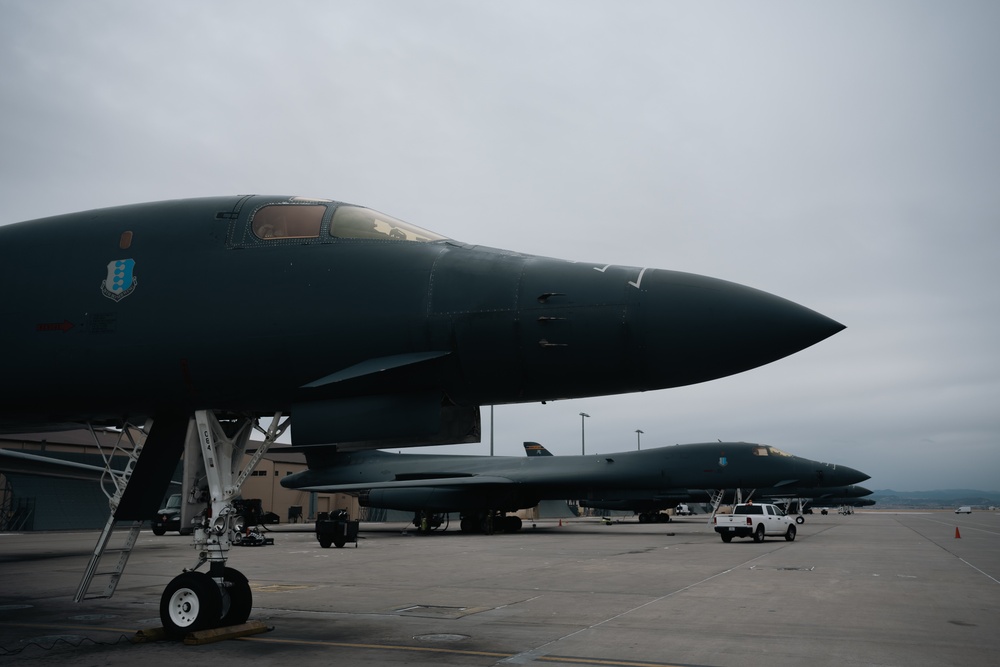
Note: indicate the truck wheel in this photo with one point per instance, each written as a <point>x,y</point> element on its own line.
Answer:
<point>758,535</point>
<point>790,535</point>
<point>726,537</point>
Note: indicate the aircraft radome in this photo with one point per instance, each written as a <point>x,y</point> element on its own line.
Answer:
<point>183,322</point>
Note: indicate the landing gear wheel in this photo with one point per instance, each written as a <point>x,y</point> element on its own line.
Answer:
<point>325,542</point>
<point>240,598</point>
<point>800,519</point>
<point>790,535</point>
<point>512,524</point>
<point>191,601</point>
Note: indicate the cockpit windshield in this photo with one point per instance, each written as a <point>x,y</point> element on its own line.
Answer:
<point>768,450</point>
<point>355,222</point>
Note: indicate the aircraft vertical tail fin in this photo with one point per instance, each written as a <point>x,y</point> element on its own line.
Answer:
<point>535,449</point>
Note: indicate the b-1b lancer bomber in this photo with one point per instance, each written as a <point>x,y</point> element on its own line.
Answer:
<point>484,488</point>
<point>184,322</point>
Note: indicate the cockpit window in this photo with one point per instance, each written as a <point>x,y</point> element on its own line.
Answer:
<point>768,450</point>
<point>288,221</point>
<point>355,222</point>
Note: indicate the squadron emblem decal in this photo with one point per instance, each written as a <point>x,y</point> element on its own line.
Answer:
<point>723,461</point>
<point>121,280</point>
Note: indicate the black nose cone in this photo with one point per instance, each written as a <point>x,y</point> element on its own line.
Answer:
<point>697,328</point>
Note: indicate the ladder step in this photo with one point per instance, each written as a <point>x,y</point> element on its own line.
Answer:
<point>102,550</point>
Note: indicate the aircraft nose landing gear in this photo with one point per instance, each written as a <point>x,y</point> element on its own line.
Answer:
<point>221,597</point>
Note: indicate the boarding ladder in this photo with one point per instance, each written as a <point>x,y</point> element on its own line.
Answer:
<point>716,504</point>
<point>113,483</point>
<point>718,496</point>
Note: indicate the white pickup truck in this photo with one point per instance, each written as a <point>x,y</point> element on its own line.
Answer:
<point>754,520</point>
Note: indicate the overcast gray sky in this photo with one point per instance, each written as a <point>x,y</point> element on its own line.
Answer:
<point>842,155</point>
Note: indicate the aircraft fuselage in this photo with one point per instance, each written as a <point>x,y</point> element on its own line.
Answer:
<point>452,483</point>
<point>194,303</point>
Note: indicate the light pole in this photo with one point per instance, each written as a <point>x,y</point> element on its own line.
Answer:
<point>638,439</point>
<point>583,439</point>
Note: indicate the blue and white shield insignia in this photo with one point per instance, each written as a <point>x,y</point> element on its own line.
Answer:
<point>121,280</point>
<point>723,461</point>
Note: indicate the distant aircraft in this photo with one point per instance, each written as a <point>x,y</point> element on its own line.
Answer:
<point>648,509</point>
<point>791,499</point>
<point>184,322</point>
<point>484,488</point>
<point>843,501</point>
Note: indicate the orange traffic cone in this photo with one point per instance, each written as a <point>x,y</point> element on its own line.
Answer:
<point>560,523</point>
<point>957,534</point>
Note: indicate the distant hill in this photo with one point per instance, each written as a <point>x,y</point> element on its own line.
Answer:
<point>940,499</point>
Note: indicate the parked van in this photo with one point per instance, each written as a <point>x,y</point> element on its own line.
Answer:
<point>964,509</point>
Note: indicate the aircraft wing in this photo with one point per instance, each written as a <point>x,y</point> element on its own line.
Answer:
<point>458,481</point>
<point>32,464</point>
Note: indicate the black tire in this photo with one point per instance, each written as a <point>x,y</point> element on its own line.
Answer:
<point>800,519</point>
<point>758,535</point>
<point>726,537</point>
<point>159,530</point>
<point>240,598</point>
<point>325,542</point>
<point>790,535</point>
<point>339,542</point>
<point>191,601</point>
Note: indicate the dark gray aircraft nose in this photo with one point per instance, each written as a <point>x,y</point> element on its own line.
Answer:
<point>844,476</point>
<point>697,328</point>
<point>833,475</point>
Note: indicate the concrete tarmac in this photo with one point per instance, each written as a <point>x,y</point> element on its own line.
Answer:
<point>874,588</point>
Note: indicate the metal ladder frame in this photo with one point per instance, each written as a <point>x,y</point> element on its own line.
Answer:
<point>113,484</point>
